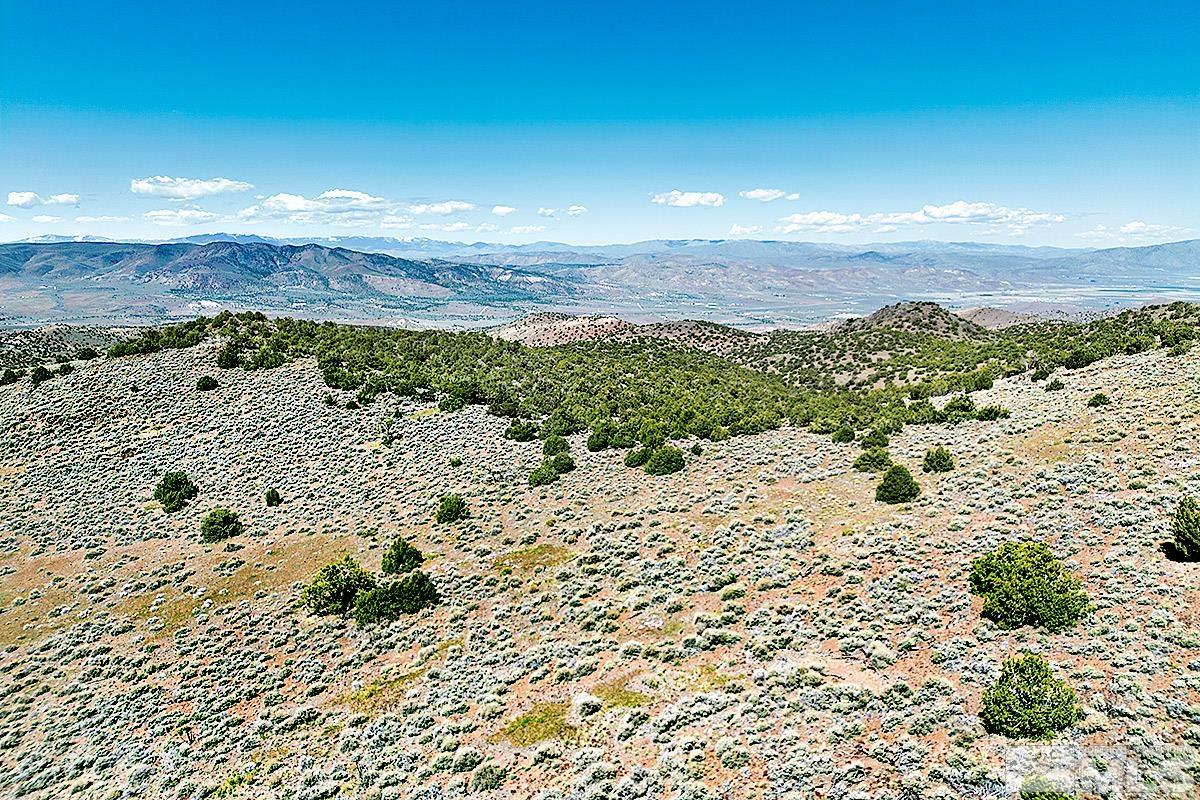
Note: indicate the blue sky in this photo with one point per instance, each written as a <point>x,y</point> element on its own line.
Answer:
<point>1072,124</point>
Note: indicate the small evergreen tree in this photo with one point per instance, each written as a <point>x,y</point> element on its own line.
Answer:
<point>1185,531</point>
<point>543,475</point>
<point>401,557</point>
<point>521,431</point>
<point>876,459</point>
<point>897,486</point>
<point>1028,702</point>
<point>273,499</point>
<point>220,524</point>
<point>174,490</point>
<point>335,586</point>
<point>1022,583</point>
<point>40,375</point>
<point>1055,385</point>
<point>843,435</point>
<point>1098,399</point>
<point>938,460</point>
<point>206,383</point>
<point>451,508</point>
<point>876,438</point>
<point>10,376</point>
<point>554,445</point>
<point>562,463</point>
<point>388,601</point>
<point>664,460</point>
<point>637,457</point>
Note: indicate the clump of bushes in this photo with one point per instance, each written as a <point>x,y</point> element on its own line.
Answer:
<point>1028,702</point>
<point>86,354</point>
<point>401,557</point>
<point>876,438</point>
<point>521,431</point>
<point>206,383</point>
<point>1185,532</point>
<point>387,602</point>
<point>664,460</point>
<point>843,435</point>
<point>1055,385</point>
<point>272,497</point>
<point>543,475</point>
<point>554,445</point>
<point>336,586</point>
<point>897,486</point>
<point>11,376</point>
<point>637,457</point>
<point>1022,583</point>
<point>174,490</point>
<point>40,375</point>
<point>876,459</point>
<point>220,524</point>
<point>451,508</point>
<point>938,460</point>
<point>1098,399</point>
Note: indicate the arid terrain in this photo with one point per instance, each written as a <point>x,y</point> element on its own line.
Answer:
<point>752,626</point>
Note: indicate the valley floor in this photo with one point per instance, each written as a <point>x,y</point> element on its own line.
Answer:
<point>753,626</point>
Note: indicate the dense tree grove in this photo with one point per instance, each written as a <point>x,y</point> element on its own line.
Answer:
<point>1022,583</point>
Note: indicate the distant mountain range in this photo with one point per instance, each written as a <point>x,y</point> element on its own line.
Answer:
<point>747,282</point>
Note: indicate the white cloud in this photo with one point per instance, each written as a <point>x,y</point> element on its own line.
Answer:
<point>443,208</point>
<point>344,207</point>
<point>763,195</point>
<point>102,218</point>
<point>449,227</point>
<point>527,229</point>
<point>5,218</point>
<point>1013,220</point>
<point>31,199</point>
<point>688,199</point>
<point>486,227</point>
<point>576,211</point>
<point>1134,231</point>
<point>180,216</point>
<point>395,221</point>
<point>46,219</point>
<point>547,212</point>
<point>185,188</point>
<point>502,211</point>
<point>744,230</point>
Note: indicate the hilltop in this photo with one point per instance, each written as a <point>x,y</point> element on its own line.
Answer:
<point>754,624</point>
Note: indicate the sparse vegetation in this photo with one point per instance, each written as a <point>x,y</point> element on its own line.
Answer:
<point>1028,702</point>
<point>174,490</point>
<point>1022,583</point>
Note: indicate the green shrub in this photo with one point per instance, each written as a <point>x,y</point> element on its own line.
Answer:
<point>1028,702</point>
<point>1098,399</point>
<point>487,778</point>
<point>1042,789</point>
<point>897,486</point>
<point>554,445</point>
<point>599,439</point>
<point>401,557</point>
<point>1022,583</point>
<point>11,376</point>
<point>206,383</point>
<point>876,438</point>
<point>521,431</point>
<point>173,491</point>
<point>637,457</point>
<point>1185,531</point>
<point>451,508</point>
<point>938,460</point>
<point>87,354</point>
<point>229,356</point>
<point>387,602</point>
<point>220,524</point>
<point>1055,385</point>
<point>543,475</point>
<point>664,460</point>
<point>696,449</point>
<point>335,587</point>
<point>40,375</point>
<point>843,435</point>
<point>876,459</point>
<point>962,404</point>
<point>562,463</point>
<point>989,413</point>
<point>456,462</point>
<point>273,499</point>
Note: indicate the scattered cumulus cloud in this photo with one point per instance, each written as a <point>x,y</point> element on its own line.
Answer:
<point>502,211</point>
<point>185,188</point>
<point>345,207</point>
<point>1000,218</point>
<point>395,221</point>
<point>178,217</point>
<point>1134,231</point>
<point>46,219</point>
<point>519,229</point>
<point>744,230</point>
<point>576,211</point>
<point>443,208</point>
<point>102,218</point>
<point>688,199</point>
<point>767,195</point>
<point>448,227</point>
<point>547,212</point>
<point>5,218</point>
<point>31,199</point>
<point>486,227</point>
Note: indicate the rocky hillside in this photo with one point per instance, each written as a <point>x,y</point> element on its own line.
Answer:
<point>754,625</point>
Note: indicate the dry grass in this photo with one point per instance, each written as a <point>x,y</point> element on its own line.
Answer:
<point>529,559</point>
<point>544,721</point>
